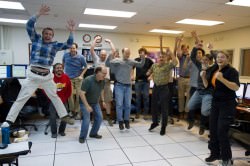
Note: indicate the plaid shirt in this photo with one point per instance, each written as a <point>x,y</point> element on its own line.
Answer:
<point>43,54</point>
<point>161,74</point>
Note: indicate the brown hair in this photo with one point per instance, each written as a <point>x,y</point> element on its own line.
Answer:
<point>143,50</point>
<point>49,29</point>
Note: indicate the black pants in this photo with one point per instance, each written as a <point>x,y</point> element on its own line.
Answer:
<point>53,117</point>
<point>222,115</point>
<point>160,104</point>
<point>170,101</point>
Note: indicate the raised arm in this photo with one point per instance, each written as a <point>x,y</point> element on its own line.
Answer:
<point>177,49</point>
<point>173,57</point>
<point>92,48</point>
<point>30,26</point>
<point>111,46</point>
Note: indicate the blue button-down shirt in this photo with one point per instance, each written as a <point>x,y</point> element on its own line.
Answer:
<point>43,54</point>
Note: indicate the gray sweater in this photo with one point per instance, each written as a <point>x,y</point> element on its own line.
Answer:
<point>122,68</point>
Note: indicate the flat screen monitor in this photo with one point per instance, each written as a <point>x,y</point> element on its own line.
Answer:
<point>5,71</point>
<point>247,94</point>
<point>240,92</point>
<point>19,71</point>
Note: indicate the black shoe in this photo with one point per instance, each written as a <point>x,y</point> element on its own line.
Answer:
<point>81,140</point>
<point>95,136</point>
<point>163,130</point>
<point>201,131</point>
<point>190,125</point>
<point>54,135</point>
<point>153,125</point>
<point>127,124</point>
<point>62,133</point>
<point>121,127</point>
<point>212,158</point>
<point>172,121</point>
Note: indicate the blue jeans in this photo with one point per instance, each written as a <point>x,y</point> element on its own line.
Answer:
<point>200,100</point>
<point>123,101</point>
<point>97,114</point>
<point>142,89</point>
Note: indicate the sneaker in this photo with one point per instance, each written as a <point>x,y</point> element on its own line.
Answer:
<point>201,131</point>
<point>121,127</point>
<point>212,158</point>
<point>190,125</point>
<point>95,136</point>
<point>62,133</point>
<point>163,130</point>
<point>81,140</point>
<point>54,135</point>
<point>68,120</point>
<point>127,124</point>
<point>226,163</point>
<point>153,125</point>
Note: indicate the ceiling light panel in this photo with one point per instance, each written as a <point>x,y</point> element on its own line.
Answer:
<point>95,26</point>
<point>245,3</point>
<point>110,13</point>
<point>13,21</point>
<point>11,5</point>
<point>166,31</point>
<point>199,22</point>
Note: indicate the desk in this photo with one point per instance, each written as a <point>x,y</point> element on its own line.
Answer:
<point>12,152</point>
<point>243,109</point>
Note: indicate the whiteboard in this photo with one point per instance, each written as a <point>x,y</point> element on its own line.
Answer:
<point>6,57</point>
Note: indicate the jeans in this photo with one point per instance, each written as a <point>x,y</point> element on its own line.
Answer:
<point>200,100</point>
<point>97,114</point>
<point>142,89</point>
<point>123,101</point>
<point>53,117</point>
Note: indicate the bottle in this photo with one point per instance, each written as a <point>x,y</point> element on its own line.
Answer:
<point>5,129</point>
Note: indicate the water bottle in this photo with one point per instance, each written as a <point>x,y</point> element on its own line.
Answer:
<point>5,129</point>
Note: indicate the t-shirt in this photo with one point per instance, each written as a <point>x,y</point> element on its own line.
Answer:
<point>141,72</point>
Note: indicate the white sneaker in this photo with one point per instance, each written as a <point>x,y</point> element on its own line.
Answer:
<point>225,163</point>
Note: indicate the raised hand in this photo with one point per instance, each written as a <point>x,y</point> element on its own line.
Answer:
<point>71,25</point>
<point>107,40</point>
<point>44,10</point>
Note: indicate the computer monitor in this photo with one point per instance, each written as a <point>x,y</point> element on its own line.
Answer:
<point>247,93</point>
<point>19,70</point>
<point>5,71</point>
<point>240,92</point>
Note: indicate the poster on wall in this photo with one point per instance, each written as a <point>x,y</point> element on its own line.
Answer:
<point>6,57</point>
<point>153,52</point>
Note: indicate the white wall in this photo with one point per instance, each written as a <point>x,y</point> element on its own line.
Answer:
<point>16,39</point>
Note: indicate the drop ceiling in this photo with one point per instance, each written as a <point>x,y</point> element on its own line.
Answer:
<point>151,14</point>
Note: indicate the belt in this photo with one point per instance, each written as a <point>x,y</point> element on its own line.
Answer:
<point>184,76</point>
<point>39,73</point>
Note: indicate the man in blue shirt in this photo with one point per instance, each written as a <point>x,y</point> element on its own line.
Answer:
<point>75,66</point>
<point>43,52</point>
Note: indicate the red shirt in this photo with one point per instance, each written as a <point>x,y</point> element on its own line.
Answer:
<point>63,85</point>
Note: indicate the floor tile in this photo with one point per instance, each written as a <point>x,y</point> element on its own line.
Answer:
<point>70,147</point>
<point>102,144</point>
<point>73,159</point>
<point>109,157</point>
<point>134,141</point>
<point>172,151</point>
<point>39,149</point>
<point>116,132</point>
<point>192,160</point>
<point>182,136</point>
<point>157,140</point>
<point>139,154</point>
<point>197,148</point>
<point>46,160</point>
<point>153,163</point>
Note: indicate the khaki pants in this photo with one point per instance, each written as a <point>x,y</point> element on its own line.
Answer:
<point>183,90</point>
<point>74,105</point>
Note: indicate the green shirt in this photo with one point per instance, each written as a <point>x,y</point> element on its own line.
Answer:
<point>93,89</point>
<point>161,73</point>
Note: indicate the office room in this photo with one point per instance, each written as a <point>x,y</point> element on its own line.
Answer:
<point>157,36</point>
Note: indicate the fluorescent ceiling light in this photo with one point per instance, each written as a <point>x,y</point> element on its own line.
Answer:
<point>97,26</point>
<point>166,31</point>
<point>111,13</point>
<point>11,5</point>
<point>245,3</point>
<point>199,22</point>
<point>13,21</point>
